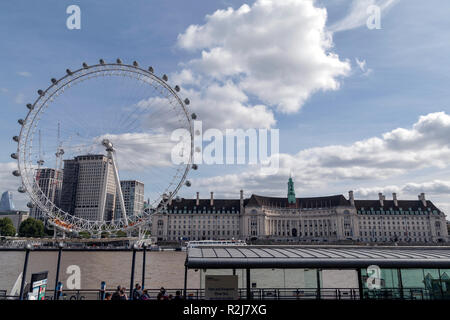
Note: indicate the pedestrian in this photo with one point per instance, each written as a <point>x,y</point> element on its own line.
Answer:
<point>162,294</point>
<point>178,295</point>
<point>123,295</point>
<point>137,292</point>
<point>108,296</point>
<point>145,295</point>
<point>116,294</point>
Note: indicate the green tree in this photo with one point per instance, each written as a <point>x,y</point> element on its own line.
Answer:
<point>31,228</point>
<point>84,234</point>
<point>7,227</point>
<point>121,234</point>
<point>104,234</point>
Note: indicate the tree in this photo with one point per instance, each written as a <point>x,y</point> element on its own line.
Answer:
<point>121,234</point>
<point>7,227</point>
<point>31,228</point>
<point>84,234</point>
<point>104,234</point>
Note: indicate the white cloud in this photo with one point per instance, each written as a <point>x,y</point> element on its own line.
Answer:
<point>398,152</point>
<point>24,74</point>
<point>433,187</point>
<point>358,15</point>
<point>224,106</point>
<point>4,90</point>
<point>185,77</point>
<point>140,151</point>
<point>278,51</point>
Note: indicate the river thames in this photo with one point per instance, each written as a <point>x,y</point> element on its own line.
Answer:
<point>163,269</point>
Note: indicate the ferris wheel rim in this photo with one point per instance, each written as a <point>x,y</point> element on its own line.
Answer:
<point>77,223</point>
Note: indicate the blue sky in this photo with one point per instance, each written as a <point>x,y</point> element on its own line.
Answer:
<point>408,58</point>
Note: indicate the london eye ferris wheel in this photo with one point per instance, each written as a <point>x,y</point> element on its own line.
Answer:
<point>93,129</point>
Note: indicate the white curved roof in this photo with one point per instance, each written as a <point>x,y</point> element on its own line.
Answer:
<point>317,257</point>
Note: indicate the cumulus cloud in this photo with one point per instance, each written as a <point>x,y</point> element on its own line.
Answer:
<point>224,106</point>
<point>140,151</point>
<point>358,14</point>
<point>278,51</point>
<point>434,187</point>
<point>395,153</point>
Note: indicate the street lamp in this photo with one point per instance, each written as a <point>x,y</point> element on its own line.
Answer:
<point>58,287</point>
<point>28,248</point>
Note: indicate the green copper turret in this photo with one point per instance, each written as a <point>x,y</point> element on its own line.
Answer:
<point>291,192</point>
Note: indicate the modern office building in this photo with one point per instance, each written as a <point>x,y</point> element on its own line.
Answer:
<point>89,188</point>
<point>8,210</point>
<point>313,219</point>
<point>133,196</point>
<point>50,182</point>
<point>6,202</point>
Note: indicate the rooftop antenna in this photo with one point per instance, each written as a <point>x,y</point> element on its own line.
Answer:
<point>59,150</point>
<point>40,162</point>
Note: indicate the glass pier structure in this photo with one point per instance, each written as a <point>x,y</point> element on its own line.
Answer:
<point>327,272</point>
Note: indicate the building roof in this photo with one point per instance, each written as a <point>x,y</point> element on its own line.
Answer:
<point>191,204</point>
<point>302,203</point>
<point>402,204</point>
<point>362,206</point>
<point>316,257</point>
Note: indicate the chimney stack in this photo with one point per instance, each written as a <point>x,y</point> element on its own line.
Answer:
<point>394,197</point>
<point>212,199</point>
<point>197,202</point>
<point>422,198</point>
<point>381,198</point>
<point>351,197</point>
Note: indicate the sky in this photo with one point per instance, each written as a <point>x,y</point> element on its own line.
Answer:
<point>357,108</point>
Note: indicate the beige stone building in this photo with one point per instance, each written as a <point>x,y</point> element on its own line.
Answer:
<point>312,219</point>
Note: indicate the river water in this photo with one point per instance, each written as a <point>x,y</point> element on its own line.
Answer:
<point>163,269</point>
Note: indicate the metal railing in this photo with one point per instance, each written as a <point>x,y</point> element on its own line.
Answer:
<point>265,294</point>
